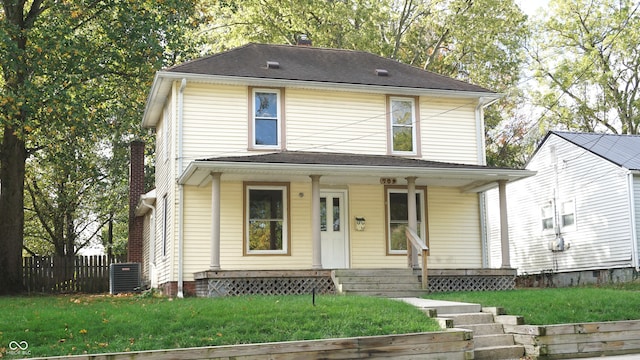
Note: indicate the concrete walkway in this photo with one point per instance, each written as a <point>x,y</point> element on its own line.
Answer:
<point>442,307</point>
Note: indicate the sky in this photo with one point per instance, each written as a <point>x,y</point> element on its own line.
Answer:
<point>530,7</point>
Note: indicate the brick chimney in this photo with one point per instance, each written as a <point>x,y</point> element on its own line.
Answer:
<point>303,40</point>
<point>136,188</point>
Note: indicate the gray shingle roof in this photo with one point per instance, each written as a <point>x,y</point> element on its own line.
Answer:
<point>304,63</point>
<point>324,158</point>
<point>622,150</point>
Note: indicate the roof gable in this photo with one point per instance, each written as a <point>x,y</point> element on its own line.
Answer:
<point>622,150</point>
<point>305,63</point>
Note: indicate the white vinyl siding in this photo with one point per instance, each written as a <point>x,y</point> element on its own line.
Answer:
<point>599,191</point>
<point>165,186</point>
<point>449,130</point>
<point>454,229</point>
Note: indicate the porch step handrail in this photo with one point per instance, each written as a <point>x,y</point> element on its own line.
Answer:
<point>417,242</point>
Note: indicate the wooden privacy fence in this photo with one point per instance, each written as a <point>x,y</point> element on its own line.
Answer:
<point>56,274</point>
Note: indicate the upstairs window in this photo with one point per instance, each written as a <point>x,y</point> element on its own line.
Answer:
<point>403,126</point>
<point>266,119</point>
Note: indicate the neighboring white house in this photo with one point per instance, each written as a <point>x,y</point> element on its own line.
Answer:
<point>579,215</point>
<point>290,158</point>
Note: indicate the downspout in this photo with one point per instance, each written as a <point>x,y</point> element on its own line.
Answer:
<point>634,232</point>
<point>481,147</point>
<point>180,294</point>
<point>152,242</point>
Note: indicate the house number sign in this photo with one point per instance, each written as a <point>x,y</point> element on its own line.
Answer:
<point>388,181</point>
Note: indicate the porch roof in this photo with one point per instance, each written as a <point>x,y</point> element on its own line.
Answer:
<point>345,168</point>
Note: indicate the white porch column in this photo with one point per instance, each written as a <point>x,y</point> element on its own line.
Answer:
<point>215,221</point>
<point>412,253</point>
<point>504,224</point>
<point>315,222</point>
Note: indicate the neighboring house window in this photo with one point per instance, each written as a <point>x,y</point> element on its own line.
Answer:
<point>403,126</point>
<point>398,218</point>
<point>165,212</point>
<point>547,216</point>
<point>266,219</point>
<point>568,214</point>
<point>266,119</point>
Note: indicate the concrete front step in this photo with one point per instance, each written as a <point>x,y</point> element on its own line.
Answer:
<point>349,287</point>
<point>499,352</point>
<point>387,293</point>
<point>379,282</point>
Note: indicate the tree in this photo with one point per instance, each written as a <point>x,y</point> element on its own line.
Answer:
<point>588,65</point>
<point>67,67</point>
<point>473,40</point>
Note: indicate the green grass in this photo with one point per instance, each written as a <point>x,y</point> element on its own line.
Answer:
<point>560,306</point>
<point>63,325</point>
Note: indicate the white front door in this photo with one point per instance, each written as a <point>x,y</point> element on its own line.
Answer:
<point>333,228</point>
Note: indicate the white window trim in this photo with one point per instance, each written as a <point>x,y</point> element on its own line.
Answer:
<point>165,212</point>
<point>279,132</point>
<point>423,225</point>
<point>541,218</point>
<point>165,134</point>
<point>285,222</point>
<point>414,126</point>
<point>561,213</point>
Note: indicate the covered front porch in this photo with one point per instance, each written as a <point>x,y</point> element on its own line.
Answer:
<point>358,200</point>
<point>402,282</point>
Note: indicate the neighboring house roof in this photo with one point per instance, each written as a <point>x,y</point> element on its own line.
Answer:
<point>306,66</point>
<point>622,150</point>
<point>357,167</point>
<point>307,63</point>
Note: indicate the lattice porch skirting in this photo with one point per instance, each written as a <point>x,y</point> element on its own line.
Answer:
<point>234,283</point>
<point>471,280</point>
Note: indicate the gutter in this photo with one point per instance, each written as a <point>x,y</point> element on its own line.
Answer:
<point>483,102</point>
<point>180,294</point>
<point>161,87</point>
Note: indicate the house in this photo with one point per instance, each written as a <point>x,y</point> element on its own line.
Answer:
<point>578,219</point>
<point>278,164</point>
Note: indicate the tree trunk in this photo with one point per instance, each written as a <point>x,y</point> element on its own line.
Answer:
<point>12,171</point>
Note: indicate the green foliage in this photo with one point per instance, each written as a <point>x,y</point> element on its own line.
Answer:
<point>97,324</point>
<point>74,81</point>
<point>586,59</point>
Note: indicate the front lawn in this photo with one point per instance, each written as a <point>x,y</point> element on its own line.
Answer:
<point>63,325</point>
<point>560,306</point>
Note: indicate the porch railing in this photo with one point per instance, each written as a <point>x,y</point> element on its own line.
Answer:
<point>414,240</point>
